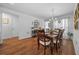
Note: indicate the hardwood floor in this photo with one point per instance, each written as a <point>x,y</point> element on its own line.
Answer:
<point>14,46</point>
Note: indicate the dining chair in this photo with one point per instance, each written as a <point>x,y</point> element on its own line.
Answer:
<point>58,39</point>
<point>43,40</point>
<point>55,32</point>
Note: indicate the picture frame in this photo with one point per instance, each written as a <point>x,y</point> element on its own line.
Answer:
<point>76,17</point>
<point>76,25</point>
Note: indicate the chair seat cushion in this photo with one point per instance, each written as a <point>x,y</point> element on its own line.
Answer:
<point>44,43</point>
<point>54,41</point>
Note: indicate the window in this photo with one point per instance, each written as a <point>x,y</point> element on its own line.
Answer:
<point>62,24</point>
<point>55,24</point>
<point>5,18</point>
<point>47,24</point>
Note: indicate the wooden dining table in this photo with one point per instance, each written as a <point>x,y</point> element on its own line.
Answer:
<point>52,36</point>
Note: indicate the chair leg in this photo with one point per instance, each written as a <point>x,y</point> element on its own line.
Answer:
<point>44,50</point>
<point>51,49</point>
<point>38,46</point>
<point>56,47</point>
<point>61,48</point>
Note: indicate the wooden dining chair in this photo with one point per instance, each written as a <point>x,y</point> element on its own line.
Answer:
<point>58,39</point>
<point>43,40</point>
<point>61,37</point>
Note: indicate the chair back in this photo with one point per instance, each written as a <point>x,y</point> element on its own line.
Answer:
<point>40,33</point>
<point>44,40</point>
<point>42,37</point>
<point>60,34</point>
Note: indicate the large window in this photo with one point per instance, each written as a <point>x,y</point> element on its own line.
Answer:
<point>65,26</point>
<point>47,24</point>
<point>62,24</point>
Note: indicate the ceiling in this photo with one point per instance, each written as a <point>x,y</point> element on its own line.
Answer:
<point>41,10</point>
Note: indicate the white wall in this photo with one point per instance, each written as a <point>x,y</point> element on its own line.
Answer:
<point>14,26</point>
<point>20,25</point>
<point>24,26</point>
<point>8,29</point>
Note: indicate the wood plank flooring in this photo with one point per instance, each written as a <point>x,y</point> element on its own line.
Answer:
<point>14,46</point>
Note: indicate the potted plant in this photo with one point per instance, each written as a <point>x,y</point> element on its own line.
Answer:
<point>70,35</point>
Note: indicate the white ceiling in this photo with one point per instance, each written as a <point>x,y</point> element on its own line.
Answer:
<point>41,10</point>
